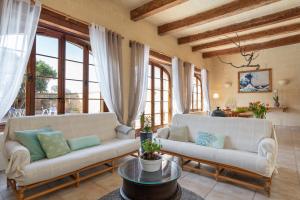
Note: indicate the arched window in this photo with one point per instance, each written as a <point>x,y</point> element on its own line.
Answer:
<point>158,103</point>
<point>197,94</point>
<point>60,78</point>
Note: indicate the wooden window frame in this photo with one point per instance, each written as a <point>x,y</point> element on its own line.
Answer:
<point>197,109</point>
<point>162,70</point>
<point>62,37</point>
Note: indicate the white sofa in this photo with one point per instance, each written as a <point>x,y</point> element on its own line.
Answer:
<point>250,144</point>
<point>113,145</point>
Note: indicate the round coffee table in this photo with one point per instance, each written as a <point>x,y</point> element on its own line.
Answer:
<point>141,185</point>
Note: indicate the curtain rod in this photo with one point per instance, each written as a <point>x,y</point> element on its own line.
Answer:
<point>69,17</point>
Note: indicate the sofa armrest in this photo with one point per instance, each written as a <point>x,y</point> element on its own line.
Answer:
<point>18,156</point>
<point>268,148</point>
<point>163,133</point>
<point>129,135</point>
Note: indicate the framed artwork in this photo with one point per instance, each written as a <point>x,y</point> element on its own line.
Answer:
<point>255,81</point>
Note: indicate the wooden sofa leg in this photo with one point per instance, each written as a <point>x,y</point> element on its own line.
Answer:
<point>77,179</point>
<point>268,186</point>
<point>113,166</point>
<point>217,173</point>
<point>20,193</point>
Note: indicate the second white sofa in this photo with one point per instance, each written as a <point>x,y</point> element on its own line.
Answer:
<point>250,145</point>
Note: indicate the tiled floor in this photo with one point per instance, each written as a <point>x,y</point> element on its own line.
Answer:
<point>285,186</point>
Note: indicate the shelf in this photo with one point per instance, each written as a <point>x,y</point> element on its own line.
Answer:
<point>278,109</point>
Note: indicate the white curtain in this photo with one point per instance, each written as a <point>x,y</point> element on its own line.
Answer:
<point>19,19</point>
<point>205,90</point>
<point>138,80</point>
<point>182,74</point>
<point>106,48</point>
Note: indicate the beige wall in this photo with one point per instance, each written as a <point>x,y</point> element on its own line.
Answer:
<point>112,15</point>
<point>285,64</point>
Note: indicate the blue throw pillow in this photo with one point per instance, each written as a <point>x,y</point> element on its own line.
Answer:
<point>210,140</point>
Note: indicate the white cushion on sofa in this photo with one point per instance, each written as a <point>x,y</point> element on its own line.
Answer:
<point>241,133</point>
<point>242,159</point>
<point>72,125</point>
<point>50,168</point>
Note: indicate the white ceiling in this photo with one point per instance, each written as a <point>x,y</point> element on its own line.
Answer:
<point>192,7</point>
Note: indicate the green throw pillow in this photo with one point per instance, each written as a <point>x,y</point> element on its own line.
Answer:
<point>29,139</point>
<point>179,133</point>
<point>53,143</point>
<point>210,140</point>
<point>83,142</point>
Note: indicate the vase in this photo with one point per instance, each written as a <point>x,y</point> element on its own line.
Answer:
<point>276,104</point>
<point>218,113</point>
<point>151,165</point>
<point>145,136</point>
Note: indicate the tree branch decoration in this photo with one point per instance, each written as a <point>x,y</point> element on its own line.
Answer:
<point>249,57</point>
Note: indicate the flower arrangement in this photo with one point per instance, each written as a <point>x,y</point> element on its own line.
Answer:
<point>151,150</point>
<point>259,109</point>
<point>146,122</point>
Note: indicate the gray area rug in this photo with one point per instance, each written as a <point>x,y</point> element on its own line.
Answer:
<point>186,195</point>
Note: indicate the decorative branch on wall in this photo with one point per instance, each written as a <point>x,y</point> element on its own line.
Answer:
<point>248,56</point>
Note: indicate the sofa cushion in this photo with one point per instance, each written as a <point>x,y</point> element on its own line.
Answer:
<point>210,140</point>
<point>235,158</point>
<point>72,125</point>
<point>29,139</point>
<point>50,168</point>
<point>179,133</point>
<point>241,133</point>
<point>83,142</point>
<point>53,143</point>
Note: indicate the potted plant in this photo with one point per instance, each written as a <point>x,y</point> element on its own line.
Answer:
<point>259,109</point>
<point>146,131</point>
<point>276,99</point>
<point>151,159</point>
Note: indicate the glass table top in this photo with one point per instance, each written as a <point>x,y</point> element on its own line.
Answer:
<point>132,171</point>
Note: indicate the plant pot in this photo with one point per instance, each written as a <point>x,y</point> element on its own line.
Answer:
<point>151,165</point>
<point>145,136</point>
<point>276,104</point>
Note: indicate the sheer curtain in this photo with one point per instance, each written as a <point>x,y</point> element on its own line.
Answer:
<point>138,80</point>
<point>19,19</point>
<point>205,89</point>
<point>107,52</point>
<point>182,74</point>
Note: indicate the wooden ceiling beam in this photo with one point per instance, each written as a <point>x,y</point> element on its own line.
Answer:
<point>153,7</point>
<point>255,47</point>
<point>226,10</point>
<point>250,36</point>
<point>246,25</point>
<point>159,57</point>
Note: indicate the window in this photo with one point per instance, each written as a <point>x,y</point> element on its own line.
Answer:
<point>196,94</point>
<point>73,78</point>
<point>46,75</point>
<point>60,77</point>
<point>158,103</point>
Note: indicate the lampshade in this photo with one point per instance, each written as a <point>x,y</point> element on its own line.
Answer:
<point>216,96</point>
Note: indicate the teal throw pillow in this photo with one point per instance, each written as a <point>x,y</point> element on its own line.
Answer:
<point>83,142</point>
<point>53,143</point>
<point>210,140</point>
<point>28,138</point>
